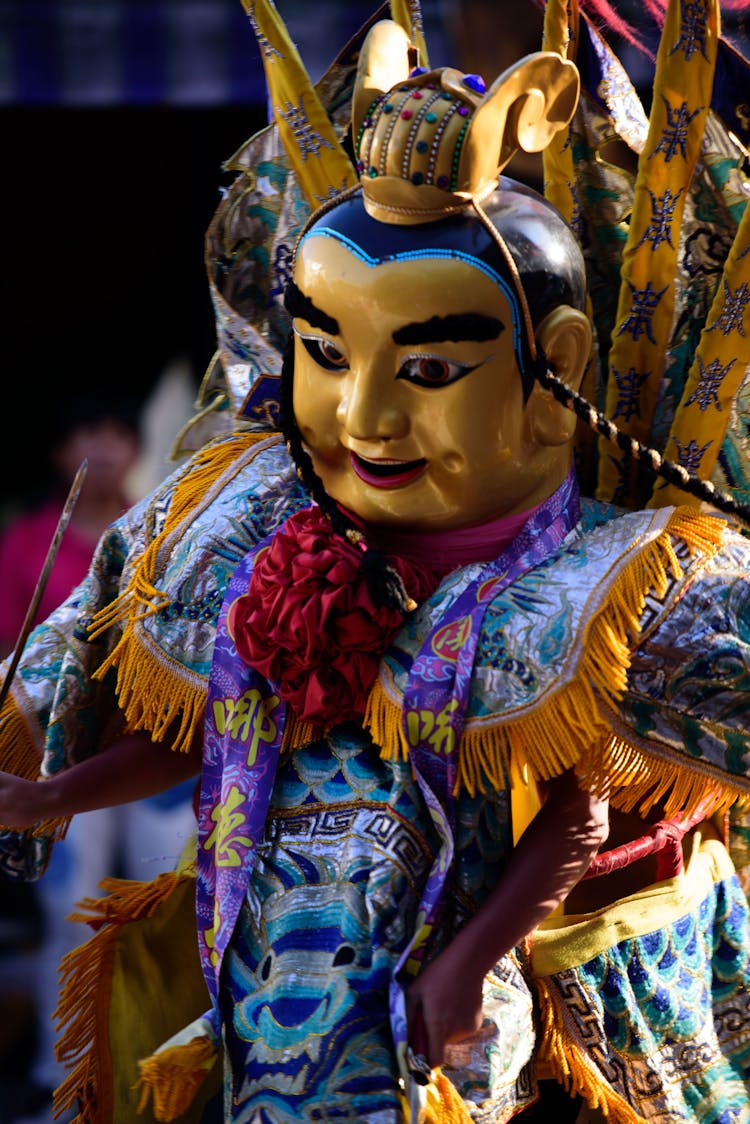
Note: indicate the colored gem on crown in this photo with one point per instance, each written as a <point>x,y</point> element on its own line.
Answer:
<point>475,82</point>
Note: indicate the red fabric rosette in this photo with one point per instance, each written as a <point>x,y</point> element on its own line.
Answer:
<point>308,623</point>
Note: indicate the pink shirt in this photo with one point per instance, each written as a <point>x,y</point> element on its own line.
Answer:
<point>23,548</point>
<point>445,550</point>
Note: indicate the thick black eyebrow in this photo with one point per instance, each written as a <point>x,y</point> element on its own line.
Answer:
<point>460,326</point>
<point>297,304</point>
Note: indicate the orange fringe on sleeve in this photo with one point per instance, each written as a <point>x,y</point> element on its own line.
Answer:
<point>153,689</point>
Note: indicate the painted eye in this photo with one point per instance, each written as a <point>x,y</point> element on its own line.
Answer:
<point>433,370</point>
<point>325,353</point>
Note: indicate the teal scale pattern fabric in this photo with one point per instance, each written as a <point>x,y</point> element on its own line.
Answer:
<point>672,1011</point>
<point>330,906</point>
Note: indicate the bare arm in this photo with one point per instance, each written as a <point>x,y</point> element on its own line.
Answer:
<point>551,856</point>
<point>131,768</point>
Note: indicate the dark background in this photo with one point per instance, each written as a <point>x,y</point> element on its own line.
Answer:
<point>102,272</point>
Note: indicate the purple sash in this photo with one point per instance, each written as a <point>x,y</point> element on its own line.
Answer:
<point>243,731</point>
<point>435,703</point>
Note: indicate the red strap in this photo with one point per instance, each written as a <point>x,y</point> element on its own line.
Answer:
<point>663,839</point>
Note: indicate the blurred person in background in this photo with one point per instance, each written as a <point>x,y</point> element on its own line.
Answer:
<point>103,430</point>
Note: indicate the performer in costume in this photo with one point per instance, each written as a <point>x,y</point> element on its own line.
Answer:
<point>363,856</point>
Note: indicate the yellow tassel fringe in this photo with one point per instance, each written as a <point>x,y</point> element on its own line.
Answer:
<point>154,692</point>
<point>570,1066</point>
<point>85,977</point>
<point>21,757</point>
<point>642,780</point>
<point>569,731</point>
<point>173,1076</point>
<point>298,733</point>
<point>151,688</point>
<point>444,1103</point>
<point>192,491</point>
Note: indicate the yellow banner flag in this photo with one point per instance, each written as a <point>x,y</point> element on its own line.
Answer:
<point>561,36</point>
<point>408,14</point>
<point>719,367</point>
<point>318,159</point>
<point>682,93</point>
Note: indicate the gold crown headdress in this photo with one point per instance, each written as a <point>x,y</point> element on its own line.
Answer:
<point>427,142</point>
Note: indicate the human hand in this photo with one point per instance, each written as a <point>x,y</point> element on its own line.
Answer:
<point>22,803</point>
<point>443,1005</point>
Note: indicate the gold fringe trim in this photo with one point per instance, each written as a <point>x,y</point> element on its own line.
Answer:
<point>173,1076</point>
<point>22,758</point>
<point>444,1103</point>
<point>154,692</point>
<point>53,830</point>
<point>571,1066</point>
<point>85,976</point>
<point>208,465</point>
<point>298,733</point>
<point>383,720</point>
<point>147,679</point>
<point>568,731</point>
<point>642,780</point>
<point>19,754</point>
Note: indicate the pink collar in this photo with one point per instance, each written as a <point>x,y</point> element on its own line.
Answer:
<point>445,550</point>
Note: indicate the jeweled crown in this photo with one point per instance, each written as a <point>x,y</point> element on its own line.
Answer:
<point>427,142</point>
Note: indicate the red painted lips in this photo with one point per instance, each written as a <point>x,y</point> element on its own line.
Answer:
<point>386,473</point>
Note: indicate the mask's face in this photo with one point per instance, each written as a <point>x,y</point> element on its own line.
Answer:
<point>407,392</point>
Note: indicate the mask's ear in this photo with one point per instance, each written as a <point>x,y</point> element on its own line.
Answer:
<point>565,337</point>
